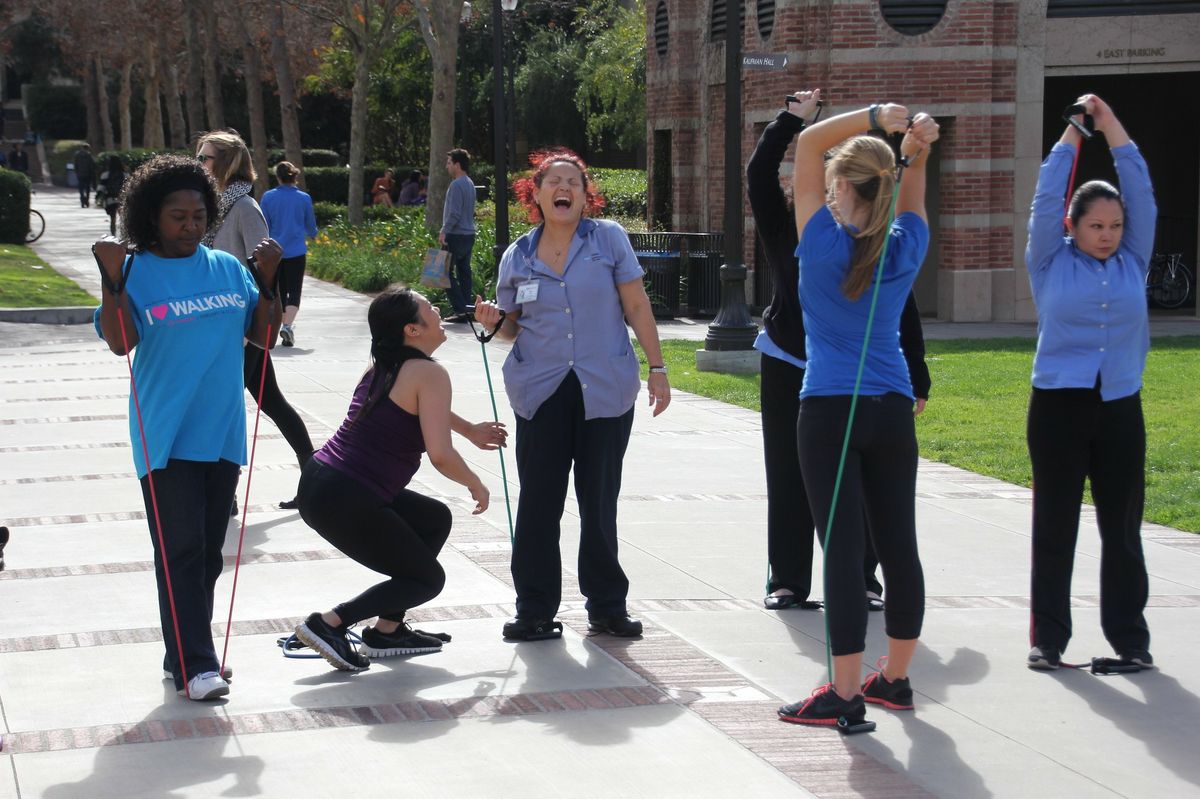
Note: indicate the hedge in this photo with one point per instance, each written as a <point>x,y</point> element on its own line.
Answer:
<point>311,158</point>
<point>14,206</point>
<point>331,213</point>
<point>56,112</point>
<point>624,191</point>
<point>133,158</point>
<point>59,154</point>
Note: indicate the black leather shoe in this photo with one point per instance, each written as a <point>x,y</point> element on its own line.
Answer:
<point>290,504</point>
<point>620,626</point>
<point>526,629</point>
<point>3,543</point>
<point>788,601</point>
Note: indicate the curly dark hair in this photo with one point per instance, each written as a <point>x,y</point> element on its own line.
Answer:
<point>146,189</point>
<point>541,160</point>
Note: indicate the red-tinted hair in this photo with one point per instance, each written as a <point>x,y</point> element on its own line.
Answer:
<point>542,160</point>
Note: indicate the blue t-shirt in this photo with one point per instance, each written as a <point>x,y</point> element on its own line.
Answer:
<point>191,316</point>
<point>836,325</point>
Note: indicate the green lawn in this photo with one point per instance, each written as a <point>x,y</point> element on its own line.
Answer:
<point>975,418</point>
<point>27,281</point>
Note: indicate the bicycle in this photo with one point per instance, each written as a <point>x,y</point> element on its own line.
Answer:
<point>37,226</point>
<point>1169,281</point>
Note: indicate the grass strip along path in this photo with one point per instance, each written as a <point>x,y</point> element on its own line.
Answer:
<point>27,281</point>
<point>975,418</point>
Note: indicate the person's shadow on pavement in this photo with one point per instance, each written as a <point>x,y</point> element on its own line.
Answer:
<point>408,678</point>
<point>121,770</point>
<point>1165,720</point>
<point>551,668</point>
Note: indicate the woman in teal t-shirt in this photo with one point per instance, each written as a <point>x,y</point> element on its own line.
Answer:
<point>185,308</point>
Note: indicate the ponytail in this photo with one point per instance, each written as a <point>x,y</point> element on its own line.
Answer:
<point>868,165</point>
<point>396,307</point>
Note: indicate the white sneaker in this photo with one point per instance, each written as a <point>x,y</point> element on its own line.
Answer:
<point>207,685</point>
<point>287,336</point>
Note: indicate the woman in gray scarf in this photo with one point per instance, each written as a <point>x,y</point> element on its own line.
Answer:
<point>240,227</point>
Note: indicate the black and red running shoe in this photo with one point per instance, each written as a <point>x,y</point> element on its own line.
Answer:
<point>825,708</point>
<point>894,694</point>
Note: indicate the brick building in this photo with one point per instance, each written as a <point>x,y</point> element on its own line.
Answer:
<point>995,74</point>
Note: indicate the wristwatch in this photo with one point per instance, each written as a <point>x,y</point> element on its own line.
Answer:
<point>658,370</point>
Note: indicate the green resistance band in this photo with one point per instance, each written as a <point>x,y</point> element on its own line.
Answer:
<point>862,361</point>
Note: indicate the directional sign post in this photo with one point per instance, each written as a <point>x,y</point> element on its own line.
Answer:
<point>767,61</point>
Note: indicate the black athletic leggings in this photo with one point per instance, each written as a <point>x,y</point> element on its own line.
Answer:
<point>880,476</point>
<point>291,280</point>
<point>401,539</point>
<point>274,405</point>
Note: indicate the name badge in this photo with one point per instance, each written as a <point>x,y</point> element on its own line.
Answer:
<point>527,291</point>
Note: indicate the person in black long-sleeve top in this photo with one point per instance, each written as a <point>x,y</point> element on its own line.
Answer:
<point>790,527</point>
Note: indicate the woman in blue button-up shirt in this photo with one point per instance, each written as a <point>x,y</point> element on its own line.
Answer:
<point>1085,415</point>
<point>568,287</point>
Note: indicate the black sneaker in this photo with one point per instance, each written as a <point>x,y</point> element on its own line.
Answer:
<point>1044,658</point>
<point>1138,657</point>
<point>621,626</point>
<point>404,640</point>
<point>527,629</point>
<point>331,643</point>
<point>825,708</point>
<point>3,543</point>
<point>894,695</point>
<point>234,510</point>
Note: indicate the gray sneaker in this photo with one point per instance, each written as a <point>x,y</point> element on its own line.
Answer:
<point>404,640</point>
<point>331,643</point>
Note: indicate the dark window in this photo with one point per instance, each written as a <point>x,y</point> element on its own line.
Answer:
<point>661,213</point>
<point>660,29</point>
<point>1119,8</point>
<point>766,18</point>
<point>717,31</point>
<point>911,17</point>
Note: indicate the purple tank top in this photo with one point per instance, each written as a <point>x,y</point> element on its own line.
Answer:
<point>382,450</point>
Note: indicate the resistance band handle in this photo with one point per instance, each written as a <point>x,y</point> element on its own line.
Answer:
<point>264,289</point>
<point>1070,112</point>
<point>484,338</point>
<point>820,105</point>
<point>117,288</point>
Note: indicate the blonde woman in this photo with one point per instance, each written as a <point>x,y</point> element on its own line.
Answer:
<point>844,217</point>
<point>240,226</point>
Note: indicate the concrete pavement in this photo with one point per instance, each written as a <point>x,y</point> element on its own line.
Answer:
<point>689,710</point>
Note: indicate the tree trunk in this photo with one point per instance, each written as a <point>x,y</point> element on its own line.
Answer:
<point>195,71</point>
<point>258,122</point>
<point>170,75</point>
<point>152,121</point>
<point>123,100</point>
<point>287,89</point>
<point>212,76</point>
<point>106,128</point>
<point>358,134</point>
<point>440,25</point>
<point>91,102</point>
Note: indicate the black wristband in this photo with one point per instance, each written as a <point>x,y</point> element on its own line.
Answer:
<point>872,121</point>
